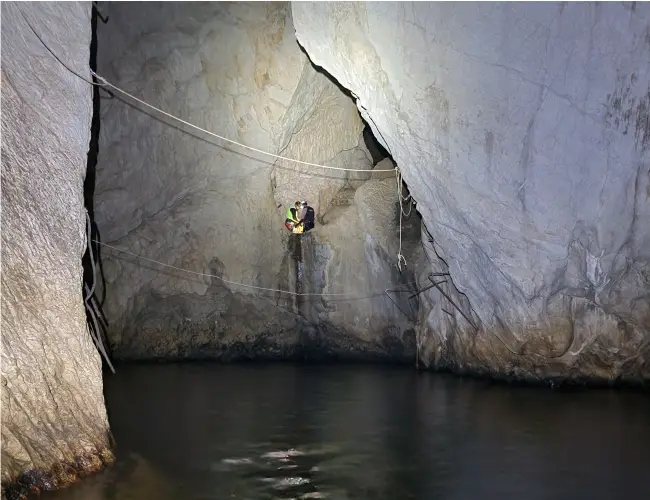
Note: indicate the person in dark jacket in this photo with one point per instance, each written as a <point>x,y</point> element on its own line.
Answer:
<point>307,216</point>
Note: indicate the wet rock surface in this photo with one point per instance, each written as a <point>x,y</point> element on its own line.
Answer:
<point>54,424</point>
<point>522,134</point>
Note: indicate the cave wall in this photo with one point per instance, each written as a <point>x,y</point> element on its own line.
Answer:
<point>321,125</point>
<point>187,201</point>
<point>522,131</point>
<point>54,423</point>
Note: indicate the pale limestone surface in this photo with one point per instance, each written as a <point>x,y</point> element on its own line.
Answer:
<point>167,195</point>
<point>234,69</point>
<point>523,133</point>
<point>321,126</point>
<point>363,245</point>
<point>52,400</point>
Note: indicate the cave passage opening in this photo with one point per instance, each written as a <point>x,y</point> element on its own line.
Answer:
<point>406,212</point>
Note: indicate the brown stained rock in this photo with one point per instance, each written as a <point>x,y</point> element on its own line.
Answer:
<point>60,475</point>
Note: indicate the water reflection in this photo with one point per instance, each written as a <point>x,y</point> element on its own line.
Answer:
<point>289,431</point>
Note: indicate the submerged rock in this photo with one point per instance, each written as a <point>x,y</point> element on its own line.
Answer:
<point>523,134</point>
<point>54,424</point>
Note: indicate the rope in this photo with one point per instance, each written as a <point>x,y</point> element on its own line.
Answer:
<point>208,275</point>
<point>400,256</point>
<point>403,199</point>
<point>251,148</point>
<point>106,83</point>
<point>54,55</point>
<point>400,189</point>
<point>96,333</point>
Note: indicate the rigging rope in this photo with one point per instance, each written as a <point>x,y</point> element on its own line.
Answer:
<point>96,332</point>
<point>400,256</point>
<point>106,83</point>
<point>208,275</point>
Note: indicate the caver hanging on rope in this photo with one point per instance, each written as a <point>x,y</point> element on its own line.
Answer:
<point>308,216</point>
<point>299,218</point>
<point>292,220</point>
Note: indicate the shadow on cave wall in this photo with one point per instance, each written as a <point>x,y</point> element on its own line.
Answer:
<point>93,273</point>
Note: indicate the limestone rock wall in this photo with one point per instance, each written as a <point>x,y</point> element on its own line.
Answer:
<point>523,133</point>
<point>54,422</point>
<point>321,126</point>
<point>349,259</point>
<point>362,243</point>
<point>187,201</point>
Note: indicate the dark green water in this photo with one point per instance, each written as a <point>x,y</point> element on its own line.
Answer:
<point>205,431</point>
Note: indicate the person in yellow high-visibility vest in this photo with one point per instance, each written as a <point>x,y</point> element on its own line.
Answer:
<point>292,219</point>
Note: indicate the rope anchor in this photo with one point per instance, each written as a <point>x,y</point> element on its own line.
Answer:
<point>401,199</point>
<point>444,294</point>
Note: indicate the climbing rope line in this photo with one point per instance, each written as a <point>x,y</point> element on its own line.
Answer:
<point>54,55</point>
<point>95,331</point>
<point>400,256</point>
<point>105,83</point>
<point>254,287</point>
<point>251,148</point>
<point>407,198</point>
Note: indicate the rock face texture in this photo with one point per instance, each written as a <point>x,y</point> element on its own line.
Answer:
<point>54,424</point>
<point>189,200</point>
<point>322,126</point>
<point>523,132</point>
<point>350,259</point>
